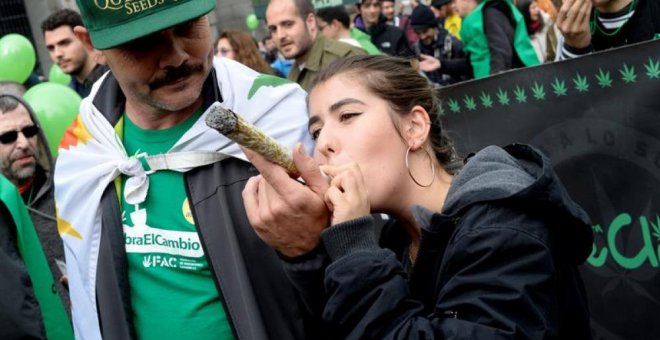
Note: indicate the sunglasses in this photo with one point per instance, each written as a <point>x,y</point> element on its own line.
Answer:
<point>11,136</point>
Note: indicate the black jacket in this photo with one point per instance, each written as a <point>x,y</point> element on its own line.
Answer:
<point>259,300</point>
<point>20,315</point>
<point>445,48</point>
<point>389,39</point>
<point>642,26</point>
<point>501,261</point>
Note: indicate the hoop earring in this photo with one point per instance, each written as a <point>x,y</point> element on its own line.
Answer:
<point>432,168</point>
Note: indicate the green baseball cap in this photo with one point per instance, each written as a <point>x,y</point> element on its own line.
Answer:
<point>114,22</point>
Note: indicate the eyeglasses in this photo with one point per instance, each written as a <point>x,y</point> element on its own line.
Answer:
<point>11,136</point>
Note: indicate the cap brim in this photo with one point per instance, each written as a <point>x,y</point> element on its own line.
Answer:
<point>122,33</point>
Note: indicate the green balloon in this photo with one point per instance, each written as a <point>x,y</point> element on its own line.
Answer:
<point>17,58</point>
<point>56,106</point>
<point>252,22</point>
<point>56,75</point>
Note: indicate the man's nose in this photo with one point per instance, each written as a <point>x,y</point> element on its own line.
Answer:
<point>173,50</point>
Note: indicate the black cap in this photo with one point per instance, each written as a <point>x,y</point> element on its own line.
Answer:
<point>439,3</point>
<point>422,17</point>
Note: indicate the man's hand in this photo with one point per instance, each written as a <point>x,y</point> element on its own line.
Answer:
<point>286,214</point>
<point>573,22</point>
<point>429,63</point>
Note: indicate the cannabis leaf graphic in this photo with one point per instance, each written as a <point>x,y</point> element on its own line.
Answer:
<point>581,83</point>
<point>653,69</point>
<point>628,74</point>
<point>521,97</point>
<point>604,79</point>
<point>502,97</point>
<point>486,100</point>
<point>441,109</point>
<point>470,103</point>
<point>539,91</point>
<point>559,87</point>
<point>454,106</point>
<point>656,227</point>
<point>266,80</point>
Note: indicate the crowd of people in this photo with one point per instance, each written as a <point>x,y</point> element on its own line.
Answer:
<point>151,225</point>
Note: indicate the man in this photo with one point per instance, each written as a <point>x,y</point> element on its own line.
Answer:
<point>445,11</point>
<point>157,242</point>
<point>335,23</point>
<point>401,21</point>
<point>436,41</point>
<point>293,25</point>
<point>27,163</point>
<point>389,39</point>
<point>68,52</point>
<point>610,23</point>
<point>30,307</point>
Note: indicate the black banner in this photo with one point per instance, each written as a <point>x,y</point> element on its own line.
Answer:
<point>598,119</point>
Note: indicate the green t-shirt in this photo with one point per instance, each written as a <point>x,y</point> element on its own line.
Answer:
<point>172,291</point>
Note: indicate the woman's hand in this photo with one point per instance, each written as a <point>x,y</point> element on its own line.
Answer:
<point>347,197</point>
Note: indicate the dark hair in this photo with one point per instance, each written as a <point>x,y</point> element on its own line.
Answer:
<point>523,7</point>
<point>63,17</point>
<point>304,7</point>
<point>338,13</point>
<point>395,81</point>
<point>246,50</point>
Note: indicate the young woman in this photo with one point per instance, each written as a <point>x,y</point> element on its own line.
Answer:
<point>484,250</point>
<point>238,45</point>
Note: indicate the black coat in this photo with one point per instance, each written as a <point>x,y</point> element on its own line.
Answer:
<point>501,261</point>
<point>389,39</point>
<point>20,315</point>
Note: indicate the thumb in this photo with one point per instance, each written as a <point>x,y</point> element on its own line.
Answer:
<point>309,171</point>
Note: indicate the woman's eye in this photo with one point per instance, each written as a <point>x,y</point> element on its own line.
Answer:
<point>347,115</point>
<point>315,134</point>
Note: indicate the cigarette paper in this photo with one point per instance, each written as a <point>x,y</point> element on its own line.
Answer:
<point>234,127</point>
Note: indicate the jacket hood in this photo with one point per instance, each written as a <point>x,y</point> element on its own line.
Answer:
<point>523,176</point>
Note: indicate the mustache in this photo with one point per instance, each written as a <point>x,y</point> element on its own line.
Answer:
<point>175,73</point>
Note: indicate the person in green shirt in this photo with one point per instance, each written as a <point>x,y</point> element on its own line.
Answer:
<point>148,196</point>
<point>293,25</point>
<point>335,23</point>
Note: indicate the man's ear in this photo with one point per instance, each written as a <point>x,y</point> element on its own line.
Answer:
<point>83,35</point>
<point>311,23</point>
<point>418,127</point>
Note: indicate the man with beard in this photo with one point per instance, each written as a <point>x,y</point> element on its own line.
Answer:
<point>389,39</point>
<point>436,41</point>
<point>596,25</point>
<point>149,197</point>
<point>26,162</point>
<point>68,52</point>
<point>293,25</point>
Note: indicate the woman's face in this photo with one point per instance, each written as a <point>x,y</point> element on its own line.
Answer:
<point>224,49</point>
<point>534,11</point>
<point>349,123</point>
